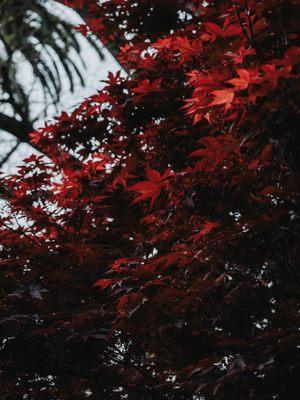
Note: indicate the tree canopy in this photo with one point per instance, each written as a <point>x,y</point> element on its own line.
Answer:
<point>155,256</point>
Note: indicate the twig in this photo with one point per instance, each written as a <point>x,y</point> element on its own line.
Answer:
<point>251,37</point>
<point>9,154</point>
<point>241,22</point>
<point>249,20</point>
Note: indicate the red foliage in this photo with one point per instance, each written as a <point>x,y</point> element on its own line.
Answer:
<point>155,256</point>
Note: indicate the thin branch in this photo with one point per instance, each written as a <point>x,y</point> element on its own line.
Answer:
<point>21,131</point>
<point>248,13</point>
<point>241,22</point>
<point>9,154</point>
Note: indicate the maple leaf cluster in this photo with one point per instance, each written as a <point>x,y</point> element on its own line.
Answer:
<point>153,253</point>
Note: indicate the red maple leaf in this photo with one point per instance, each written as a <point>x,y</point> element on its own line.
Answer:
<point>145,88</point>
<point>243,81</point>
<point>224,96</point>
<point>151,188</point>
<point>208,226</point>
<point>128,303</point>
<point>103,284</point>
<point>240,55</point>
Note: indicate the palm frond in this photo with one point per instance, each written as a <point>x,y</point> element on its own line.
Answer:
<point>47,42</point>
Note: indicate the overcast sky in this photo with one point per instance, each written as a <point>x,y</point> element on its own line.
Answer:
<point>95,72</point>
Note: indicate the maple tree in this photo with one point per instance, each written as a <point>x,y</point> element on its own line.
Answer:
<point>155,256</point>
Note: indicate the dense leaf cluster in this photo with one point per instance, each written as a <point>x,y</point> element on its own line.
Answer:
<point>156,256</point>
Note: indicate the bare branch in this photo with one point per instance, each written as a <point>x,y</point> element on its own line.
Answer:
<point>9,154</point>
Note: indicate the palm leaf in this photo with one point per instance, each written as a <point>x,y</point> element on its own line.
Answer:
<point>46,41</point>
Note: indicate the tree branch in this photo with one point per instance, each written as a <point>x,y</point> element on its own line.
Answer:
<point>9,154</point>
<point>17,128</point>
<point>21,131</point>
